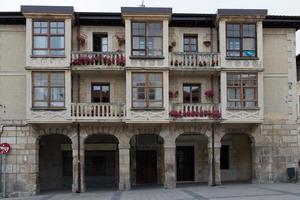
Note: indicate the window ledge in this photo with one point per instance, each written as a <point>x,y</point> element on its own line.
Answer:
<point>147,109</point>
<point>242,58</point>
<point>245,109</point>
<point>48,109</point>
<point>147,57</point>
<point>47,56</point>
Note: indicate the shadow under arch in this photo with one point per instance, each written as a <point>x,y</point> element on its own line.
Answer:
<point>192,158</point>
<point>101,161</point>
<point>146,159</point>
<point>55,162</point>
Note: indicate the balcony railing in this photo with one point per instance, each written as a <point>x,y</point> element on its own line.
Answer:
<point>195,111</point>
<point>194,59</point>
<point>98,59</point>
<point>97,111</point>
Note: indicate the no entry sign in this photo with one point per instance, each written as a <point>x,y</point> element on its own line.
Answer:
<point>4,148</point>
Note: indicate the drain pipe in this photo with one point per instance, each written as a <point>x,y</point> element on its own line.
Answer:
<point>213,155</point>
<point>78,160</point>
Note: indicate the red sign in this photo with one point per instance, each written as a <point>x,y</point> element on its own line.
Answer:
<point>4,148</point>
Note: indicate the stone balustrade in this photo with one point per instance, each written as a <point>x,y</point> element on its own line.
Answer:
<point>194,59</point>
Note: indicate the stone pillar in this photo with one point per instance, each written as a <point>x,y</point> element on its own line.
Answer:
<point>124,167</point>
<point>75,165</point>
<point>170,165</point>
<point>217,164</point>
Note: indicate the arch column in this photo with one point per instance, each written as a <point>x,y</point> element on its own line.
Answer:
<point>124,164</point>
<point>76,162</point>
<point>169,158</point>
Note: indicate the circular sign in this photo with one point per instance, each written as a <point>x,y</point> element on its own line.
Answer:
<point>4,148</point>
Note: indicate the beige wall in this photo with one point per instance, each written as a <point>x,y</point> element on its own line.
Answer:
<point>12,71</point>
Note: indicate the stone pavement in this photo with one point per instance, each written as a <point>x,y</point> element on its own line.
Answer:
<point>282,191</point>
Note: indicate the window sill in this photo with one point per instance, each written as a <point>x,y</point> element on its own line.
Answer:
<point>242,58</point>
<point>48,109</point>
<point>245,109</point>
<point>147,57</point>
<point>47,56</point>
<point>147,109</point>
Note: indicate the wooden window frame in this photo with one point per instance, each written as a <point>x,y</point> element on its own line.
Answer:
<point>189,36</point>
<point>145,36</point>
<point>190,85</point>
<point>146,74</point>
<point>241,88</point>
<point>49,87</point>
<point>100,84</point>
<point>241,37</point>
<point>48,35</point>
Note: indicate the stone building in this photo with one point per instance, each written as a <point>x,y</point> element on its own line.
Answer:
<point>146,96</point>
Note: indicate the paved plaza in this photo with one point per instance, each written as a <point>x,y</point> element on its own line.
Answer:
<point>281,191</point>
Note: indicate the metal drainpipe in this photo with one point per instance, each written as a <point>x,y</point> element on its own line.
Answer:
<point>213,155</point>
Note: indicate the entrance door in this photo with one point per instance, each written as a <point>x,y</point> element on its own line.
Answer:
<point>185,163</point>
<point>146,167</point>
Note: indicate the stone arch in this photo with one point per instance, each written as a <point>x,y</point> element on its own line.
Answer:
<point>54,161</point>
<point>236,157</point>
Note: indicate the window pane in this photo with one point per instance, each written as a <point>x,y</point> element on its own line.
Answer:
<point>154,29</point>
<point>57,104</point>
<point>196,96</point>
<point>248,44</point>
<point>138,53</point>
<point>249,93</point>
<point>40,104</point>
<point>233,53</point>
<point>40,93</point>
<point>138,94</point>
<point>40,79</point>
<point>57,94</point>
<point>57,52</point>
<point>155,94</point>
<point>139,104</point>
<point>138,80</point>
<point>233,44</point>
<point>249,30</point>
<point>155,80</point>
<point>233,93</point>
<point>57,79</point>
<point>138,43</point>
<point>155,104</point>
<point>138,28</point>
<point>40,42</point>
<point>40,52</point>
<point>250,104</point>
<point>186,94</point>
<point>56,42</point>
<point>249,53</point>
<point>233,30</point>
<point>154,43</point>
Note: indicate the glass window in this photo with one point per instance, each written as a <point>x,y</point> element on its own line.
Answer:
<point>100,42</point>
<point>48,89</point>
<point>241,40</point>
<point>147,90</point>
<point>191,93</point>
<point>146,39</point>
<point>100,93</point>
<point>241,90</point>
<point>48,38</point>
<point>190,43</point>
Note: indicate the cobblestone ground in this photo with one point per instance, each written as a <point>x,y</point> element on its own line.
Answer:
<point>284,191</point>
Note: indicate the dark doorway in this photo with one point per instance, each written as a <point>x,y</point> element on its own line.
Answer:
<point>100,42</point>
<point>146,167</point>
<point>101,161</point>
<point>185,163</point>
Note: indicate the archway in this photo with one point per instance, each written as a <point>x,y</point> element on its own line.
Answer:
<point>101,161</point>
<point>236,158</point>
<point>192,158</point>
<point>146,158</point>
<point>55,162</point>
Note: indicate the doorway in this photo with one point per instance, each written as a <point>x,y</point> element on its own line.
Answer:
<point>185,163</point>
<point>146,167</point>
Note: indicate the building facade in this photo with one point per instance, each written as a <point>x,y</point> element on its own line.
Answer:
<point>146,96</point>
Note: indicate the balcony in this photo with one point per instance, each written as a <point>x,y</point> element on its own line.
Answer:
<point>194,60</point>
<point>195,111</point>
<point>98,111</point>
<point>98,60</point>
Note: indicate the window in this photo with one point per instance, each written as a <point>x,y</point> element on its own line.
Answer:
<point>241,40</point>
<point>191,93</point>
<point>100,42</point>
<point>100,92</point>
<point>241,90</point>
<point>147,90</point>
<point>48,38</point>
<point>224,157</point>
<point>147,39</point>
<point>190,43</point>
<point>48,89</point>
